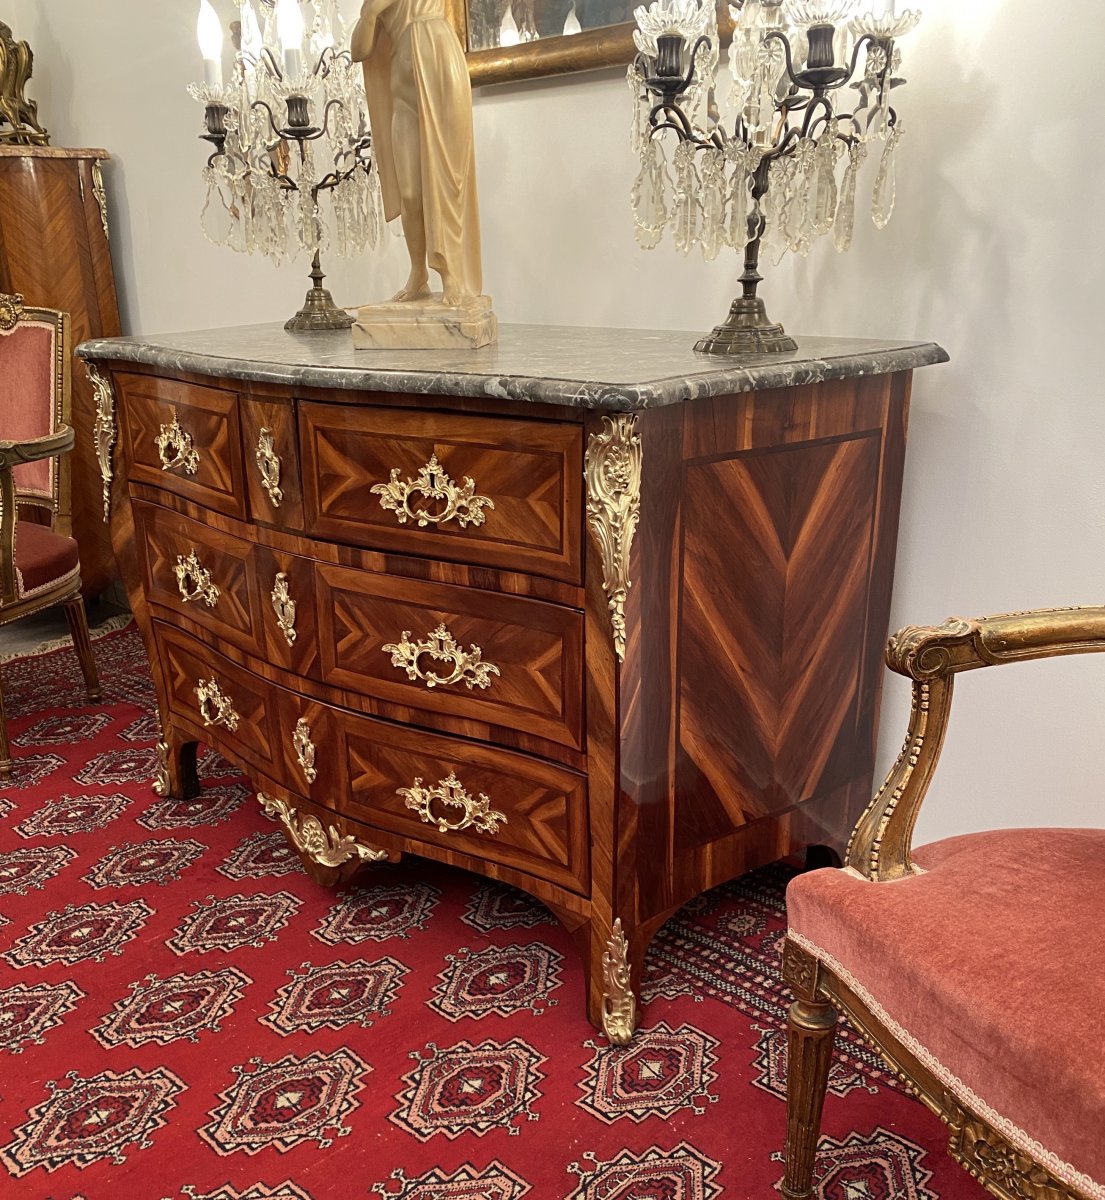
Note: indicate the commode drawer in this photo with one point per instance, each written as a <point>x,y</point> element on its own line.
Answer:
<point>185,439</point>
<point>504,660</point>
<point>228,706</point>
<point>483,490</point>
<point>199,572</point>
<point>449,795</point>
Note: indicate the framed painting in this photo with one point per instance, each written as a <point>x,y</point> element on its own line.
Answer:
<point>524,39</point>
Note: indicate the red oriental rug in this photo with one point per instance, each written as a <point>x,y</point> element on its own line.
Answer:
<point>185,1016</point>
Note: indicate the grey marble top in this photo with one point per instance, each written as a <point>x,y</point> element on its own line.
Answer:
<point>607,369</point>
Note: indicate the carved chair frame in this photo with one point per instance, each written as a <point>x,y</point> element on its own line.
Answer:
<point>13,313</point>
<point>880,850</point>
<point>67,591</point>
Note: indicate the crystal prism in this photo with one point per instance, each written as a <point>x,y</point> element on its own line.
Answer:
<point>886,184</point>
<point>685,208</point>
<point>650,208</point>
<point>845,225</point>
<point>740,196</point>
<point>714,230</point>
<point>825,190</point>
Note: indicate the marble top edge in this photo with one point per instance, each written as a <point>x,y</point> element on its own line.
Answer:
<point>53,152</point>
<point>605,369</point>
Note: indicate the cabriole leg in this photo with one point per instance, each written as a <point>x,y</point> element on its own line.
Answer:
<point>176,775</point>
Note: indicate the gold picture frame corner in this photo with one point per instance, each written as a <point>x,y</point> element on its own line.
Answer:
<point>591,50</point>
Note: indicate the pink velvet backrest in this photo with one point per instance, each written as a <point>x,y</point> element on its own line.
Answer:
<point>29,397</point>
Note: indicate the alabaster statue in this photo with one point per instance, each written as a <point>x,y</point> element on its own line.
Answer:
<point>420,110</point>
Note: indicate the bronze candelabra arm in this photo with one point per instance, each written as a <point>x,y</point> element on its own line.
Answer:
<point>362,161</point>
<point>247,63</point>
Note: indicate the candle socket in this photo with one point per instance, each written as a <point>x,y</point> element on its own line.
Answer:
<point>669,55</point>
<point>821,52</point>
<point>214,118</point>
<point>299,113</point>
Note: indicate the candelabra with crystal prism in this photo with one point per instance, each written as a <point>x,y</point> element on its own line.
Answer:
<point>773,166</point>
<point>291,170</point>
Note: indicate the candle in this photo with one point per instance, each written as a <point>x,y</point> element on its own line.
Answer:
<point>289,27</point>
<point>209,34</point>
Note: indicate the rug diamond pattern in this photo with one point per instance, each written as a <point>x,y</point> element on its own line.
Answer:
<point>184,1015</point>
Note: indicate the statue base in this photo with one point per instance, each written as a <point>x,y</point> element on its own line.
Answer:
<point>426,324</point>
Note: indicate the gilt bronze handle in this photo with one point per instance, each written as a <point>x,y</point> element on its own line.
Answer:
<point>467,666</point>
<point>461,503</point>
<point>477,810</point>
<point>175,448</point>
<point>214,705</point>
<point>193,580</point>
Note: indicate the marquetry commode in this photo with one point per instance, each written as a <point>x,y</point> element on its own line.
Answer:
<point>583,611</point>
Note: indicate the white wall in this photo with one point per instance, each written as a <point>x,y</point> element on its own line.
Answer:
<point>997,250</point>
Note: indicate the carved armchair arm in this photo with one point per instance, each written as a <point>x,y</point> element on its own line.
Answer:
<point>14,454</point>
<point>932,656</point>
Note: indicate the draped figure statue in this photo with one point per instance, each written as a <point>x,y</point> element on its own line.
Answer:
<point>420,110</point>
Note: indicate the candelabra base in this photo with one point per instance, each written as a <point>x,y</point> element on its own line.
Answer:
<point>747,332</point>
<point>319,312</point>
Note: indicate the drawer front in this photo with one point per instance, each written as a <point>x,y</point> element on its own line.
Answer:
<point>185,439</point>
<point>232,708</point>
<point>500,659</point>
<point>198,571</point>
<point>468,798</point>
<point>271,459</point>
<point>481,490</point>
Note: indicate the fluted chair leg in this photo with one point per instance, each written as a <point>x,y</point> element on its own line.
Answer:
<point>82,643</point>
<point>810,1030</point>
<point>5,748</point>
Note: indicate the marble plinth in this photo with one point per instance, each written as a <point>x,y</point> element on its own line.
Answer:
<point>428,324</point>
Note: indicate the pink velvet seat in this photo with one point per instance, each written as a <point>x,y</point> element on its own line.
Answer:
<point>991,967</point>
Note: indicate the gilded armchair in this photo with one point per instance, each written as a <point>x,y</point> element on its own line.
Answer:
<point>39,565</point>
<point>975,966</point>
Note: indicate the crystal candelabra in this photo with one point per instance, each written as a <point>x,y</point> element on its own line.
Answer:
<point>786,174</point>
<point>291,169</point>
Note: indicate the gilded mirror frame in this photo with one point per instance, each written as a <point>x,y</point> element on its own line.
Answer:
<point>610,46</point>
<point>590,50</point>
